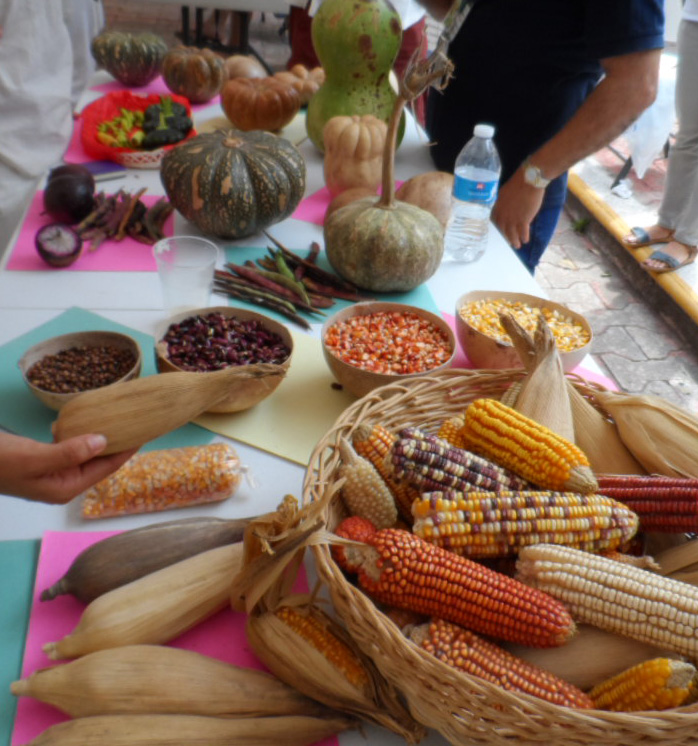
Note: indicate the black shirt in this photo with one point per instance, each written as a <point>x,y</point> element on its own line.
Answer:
<point>526,66</point>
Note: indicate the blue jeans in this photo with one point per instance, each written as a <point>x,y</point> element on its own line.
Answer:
<point>544,224</point>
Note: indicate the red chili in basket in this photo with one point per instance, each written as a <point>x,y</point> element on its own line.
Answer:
<point>394,342</point>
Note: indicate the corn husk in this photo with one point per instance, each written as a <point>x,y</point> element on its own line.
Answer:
<point>186,730</point>
<point>680,562</point>
<point>274,549</point>
<point>543,396</point>
<point>156,608</point>
<point>158,679</point>
<point>660,435</point>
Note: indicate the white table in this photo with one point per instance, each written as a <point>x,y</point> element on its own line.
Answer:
<point>28,299</point>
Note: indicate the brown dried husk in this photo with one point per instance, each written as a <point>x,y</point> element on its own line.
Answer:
<point>274,550</point>
<point>464,709</point>
<point>660,435</point>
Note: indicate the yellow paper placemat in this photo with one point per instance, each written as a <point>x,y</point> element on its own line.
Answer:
<point>297,415</point>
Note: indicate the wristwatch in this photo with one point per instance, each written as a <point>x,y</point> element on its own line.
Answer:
<point>533,175</point>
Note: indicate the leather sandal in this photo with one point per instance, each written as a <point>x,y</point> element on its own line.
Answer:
<point>671,262</point>
<point>640,237</point>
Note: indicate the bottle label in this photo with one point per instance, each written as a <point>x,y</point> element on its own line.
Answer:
<point>470,190</point>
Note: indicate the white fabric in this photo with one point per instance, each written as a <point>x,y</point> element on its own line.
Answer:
<point>84,19</point>
<point>410,11</point>
<point>690,10</point>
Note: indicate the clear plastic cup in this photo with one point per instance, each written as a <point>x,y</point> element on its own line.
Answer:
<point>186,266</point>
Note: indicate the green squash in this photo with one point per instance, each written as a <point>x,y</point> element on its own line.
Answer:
<point>133,59</point>
<point>357,42</point>
<point>231,184</point>
<point>196,74</point>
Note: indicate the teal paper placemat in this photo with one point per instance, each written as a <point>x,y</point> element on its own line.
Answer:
<point>18,562</point>
<point>23,414</point>
<point>421,296</point>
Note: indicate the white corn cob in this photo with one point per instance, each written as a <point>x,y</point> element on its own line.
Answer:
<point>615,596</point>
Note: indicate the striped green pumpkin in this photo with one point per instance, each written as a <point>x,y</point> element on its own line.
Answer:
<point>133,59</point>
<point>231,184</point>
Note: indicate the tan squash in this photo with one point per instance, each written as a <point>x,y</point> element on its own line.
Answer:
<point>354,152</point>
<point>259,103</point>
<point>347,197</point>
<point>431,191</point>
<point>306,82</point>
<point>244,66</point>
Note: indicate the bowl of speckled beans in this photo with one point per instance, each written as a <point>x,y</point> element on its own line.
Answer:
<point>61,368</point>
<point>375,343</point>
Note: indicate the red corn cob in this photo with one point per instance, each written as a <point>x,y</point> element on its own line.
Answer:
<point>400,569</point>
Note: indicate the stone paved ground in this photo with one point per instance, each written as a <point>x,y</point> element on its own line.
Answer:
<point>638,343</point>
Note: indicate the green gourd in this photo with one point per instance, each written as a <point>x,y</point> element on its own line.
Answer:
<point>357,42</point>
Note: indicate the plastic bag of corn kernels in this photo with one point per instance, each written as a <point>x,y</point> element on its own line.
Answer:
<point>166,479</point>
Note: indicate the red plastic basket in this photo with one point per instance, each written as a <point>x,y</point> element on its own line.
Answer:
<point>109,106</point>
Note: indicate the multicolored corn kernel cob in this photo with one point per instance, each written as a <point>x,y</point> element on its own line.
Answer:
<point>428,463</point>
<point>656,684</point>
<point>615,596</point>
<point>355,528</point>
<point>400,569</point>
<point>364,491</point>
<point>527,448</point>
<point>374,442</point>
<point>487,524</point>
<point>450,431</point>
<point>663,504</point>
<point>467,652</point>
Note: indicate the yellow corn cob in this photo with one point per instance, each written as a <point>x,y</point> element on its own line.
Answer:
<point>467,652</point>
<point>527,448</point>
<point>450,431</point>
<point>364,491</point>
<point>657,684</point>
<point>489,524</point>
<point>374,442</point>
<point>616,596</point>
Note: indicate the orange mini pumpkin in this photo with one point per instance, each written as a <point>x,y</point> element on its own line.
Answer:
<point>259,103</point>
<point>197,74</point>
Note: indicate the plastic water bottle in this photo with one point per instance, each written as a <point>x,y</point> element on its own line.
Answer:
<point>476,178</point>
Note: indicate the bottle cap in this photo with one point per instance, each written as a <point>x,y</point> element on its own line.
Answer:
<point>484,130</point>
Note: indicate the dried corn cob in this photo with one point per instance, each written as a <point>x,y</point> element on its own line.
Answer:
<point>615,596</point>
<point>664,504</point>
<point>467,652</point>
<point>429,463</point>
<point>450,431</point>
<point>355,528</point>
<point>657,684</point>
<point>399,569</point>
<point>374,443</point>
<point>486,524</point>
<point>364,491</point>
<point>308,650</point>
<point>527,448</point>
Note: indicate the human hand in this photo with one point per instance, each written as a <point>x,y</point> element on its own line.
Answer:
<point>54,472</point>
<point>516,206</point>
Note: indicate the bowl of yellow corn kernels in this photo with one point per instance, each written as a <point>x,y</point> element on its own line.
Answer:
<point>487,345</point>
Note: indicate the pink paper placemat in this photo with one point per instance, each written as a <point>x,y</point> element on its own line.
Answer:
<point>461,361</point>
<point>127,255</point>
<point>313,208</point>
<point>222,636</point>
<point>157,86</point>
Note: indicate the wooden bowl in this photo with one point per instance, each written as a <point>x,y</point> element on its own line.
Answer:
<point>486,352</point>
<point>360,382</point>
<point>67,341</point>
<point>244,393</point>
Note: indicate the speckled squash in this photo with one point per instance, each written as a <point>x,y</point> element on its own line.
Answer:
<point>382,249</point>
<point>133,59</point>
<point>196,74</point>
<point>357,42</point>
<point>231,184</point>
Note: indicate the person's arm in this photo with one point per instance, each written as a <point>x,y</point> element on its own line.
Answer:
<point>628,88</point>
<point>54,472</point>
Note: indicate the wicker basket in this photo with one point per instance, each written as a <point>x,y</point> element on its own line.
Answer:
<point>464,709</point>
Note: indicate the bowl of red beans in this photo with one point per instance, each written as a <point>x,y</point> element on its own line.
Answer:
<point>375,343</point>
<point>210,339</point>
